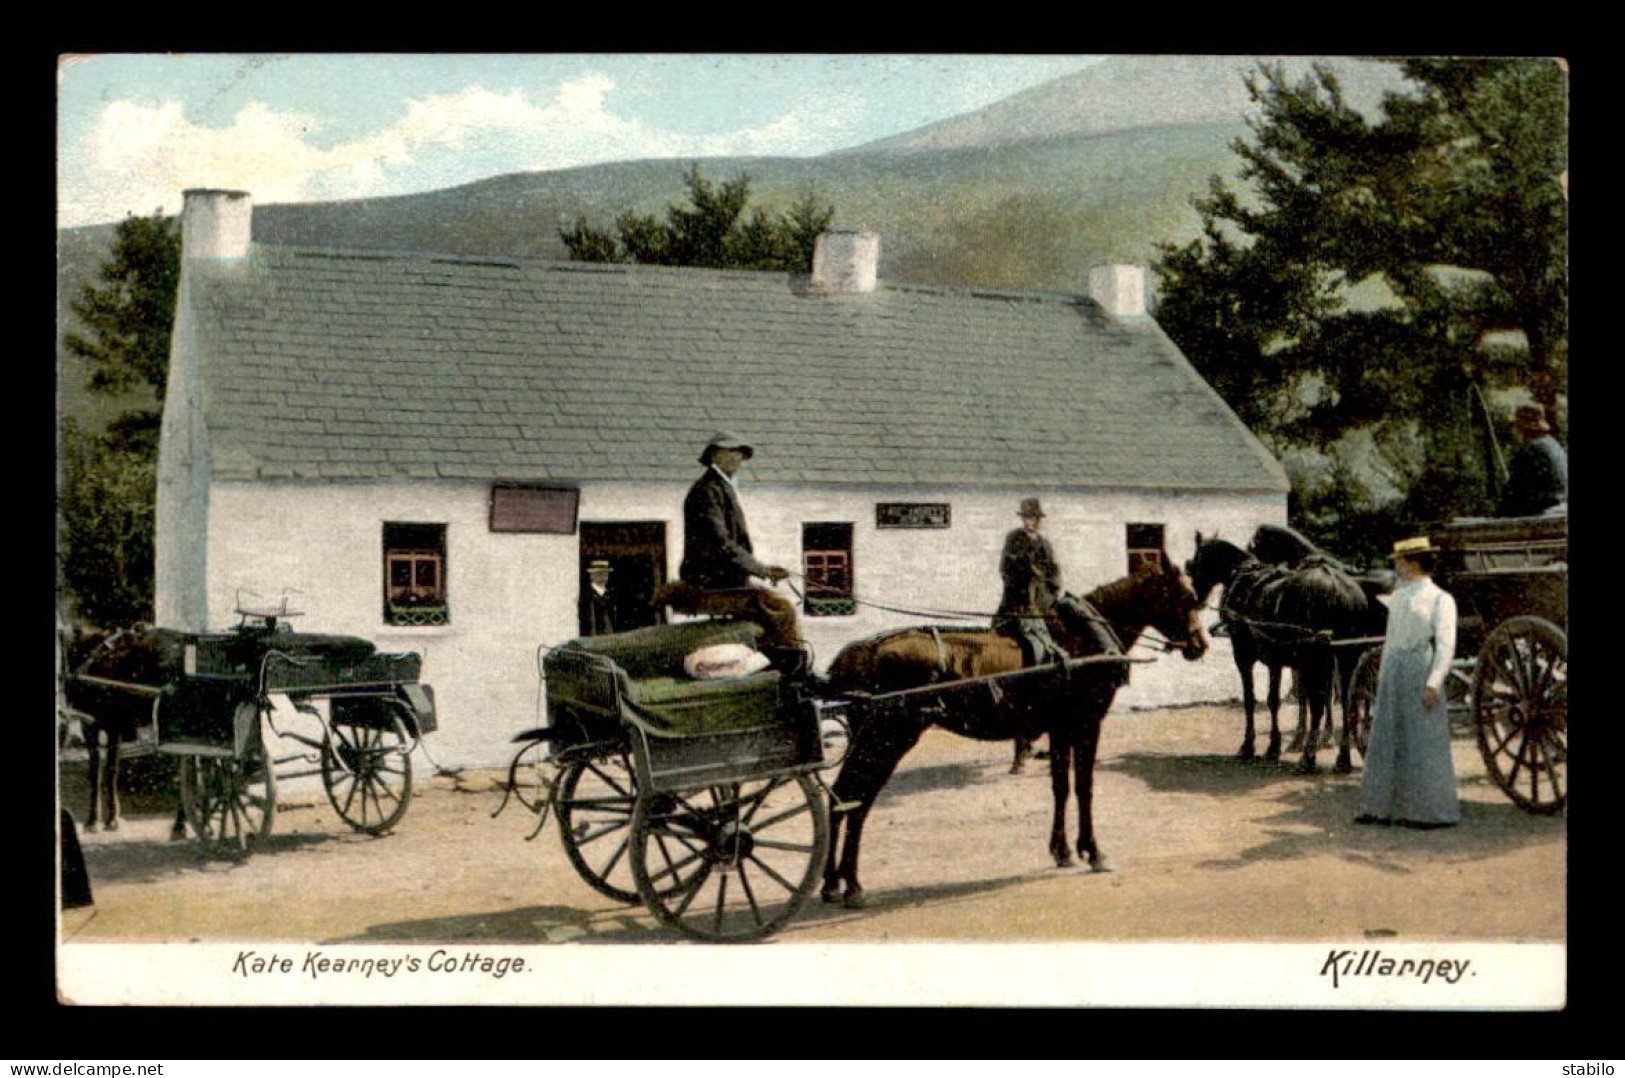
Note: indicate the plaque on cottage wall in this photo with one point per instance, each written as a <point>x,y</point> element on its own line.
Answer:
<point>911,515</point>
<point>519,508</point>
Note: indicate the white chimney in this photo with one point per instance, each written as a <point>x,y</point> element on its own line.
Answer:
<point>1119,289</point>
<point>216,224</point>
<point>846,261</point>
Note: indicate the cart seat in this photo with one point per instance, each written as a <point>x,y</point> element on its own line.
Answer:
<point>643,680</point>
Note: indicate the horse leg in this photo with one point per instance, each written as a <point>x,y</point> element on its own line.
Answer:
<point>93,743</point>
<point>110,778</point>
<point>1083,763</point>
<point>1302,729</point>
<point>1340,680</point>
<point>1249,702</point>
<point>831,891</point>
<point>1314,685</point>
<point>1024,752</point>
<point>1060,756</point>
<point>877,747</point>
<point>1273,753</point>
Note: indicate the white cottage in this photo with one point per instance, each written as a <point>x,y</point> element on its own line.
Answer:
<point>429,450</point>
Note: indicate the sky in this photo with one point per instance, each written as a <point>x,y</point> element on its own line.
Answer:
<point>135,130</point>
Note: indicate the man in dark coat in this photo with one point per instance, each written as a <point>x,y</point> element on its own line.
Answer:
<point>1032,583</point>
<point>718,562</point>
<point>1538,476</point>
<point>597,608</point>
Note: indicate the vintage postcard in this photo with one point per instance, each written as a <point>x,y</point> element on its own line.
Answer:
<point>902,530</point>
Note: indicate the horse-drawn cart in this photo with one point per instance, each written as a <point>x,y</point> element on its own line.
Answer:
<point>208,697</point>
<point>697,798</point>
<point>1509,680</point>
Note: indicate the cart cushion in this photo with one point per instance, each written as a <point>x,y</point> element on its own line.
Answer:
<point>682,706</point>
<point>657,651</point>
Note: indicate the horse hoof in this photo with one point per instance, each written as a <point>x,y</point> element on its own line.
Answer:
<point>178,835</point>
<point>856,900</point>
<point>1308,767</point>
<point>112,825</point>
<point>1064,861</point>
<point>1246,752</point>
<point>1016,769</point>
<point>831,895</point>
<point>1344,767</point>
<point>1100,864</point>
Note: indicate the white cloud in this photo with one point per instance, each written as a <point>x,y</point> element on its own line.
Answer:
<point>137,158</point>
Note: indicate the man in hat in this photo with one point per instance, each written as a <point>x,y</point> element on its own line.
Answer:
<point>597,609</point>
<point>1409,778</point>
<point>1032,583</point>
<point>1538,475</point>
<point>718,562</point>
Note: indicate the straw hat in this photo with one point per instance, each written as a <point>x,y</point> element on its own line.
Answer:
<point>599,566</point>
<point>1406,548</point>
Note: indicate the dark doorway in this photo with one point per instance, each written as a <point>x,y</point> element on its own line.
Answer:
<point>636,554</point>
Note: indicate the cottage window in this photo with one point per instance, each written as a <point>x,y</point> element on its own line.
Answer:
<point>1145,546</point>
<point>415,574</point>
<point>826,557</point>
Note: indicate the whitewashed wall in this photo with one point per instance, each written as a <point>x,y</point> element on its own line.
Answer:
<point>511,594</point>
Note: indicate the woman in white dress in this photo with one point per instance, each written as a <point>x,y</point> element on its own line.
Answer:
<point>1409,778</point>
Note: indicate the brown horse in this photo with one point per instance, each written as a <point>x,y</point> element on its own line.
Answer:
<point>1068,704</point>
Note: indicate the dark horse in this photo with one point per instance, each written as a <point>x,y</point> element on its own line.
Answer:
<point>1287,616</point>
<point>100,669</point>
<point>1068,705</point>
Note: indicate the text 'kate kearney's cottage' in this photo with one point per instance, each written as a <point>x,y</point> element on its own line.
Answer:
<point>431,450</point>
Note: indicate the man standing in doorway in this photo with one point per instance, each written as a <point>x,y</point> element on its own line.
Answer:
<point>597,609</point>
<point>718,562</point>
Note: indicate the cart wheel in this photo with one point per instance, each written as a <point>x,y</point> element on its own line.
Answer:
<point>731,862</point>
<point>530,775</point>
<point>1363,697</point>
<point>594,805</point>
<point>368,774</point>
<point>230,803</point>
<point>1521,702</point>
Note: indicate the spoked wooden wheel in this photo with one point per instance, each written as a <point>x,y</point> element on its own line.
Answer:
<point>367,771</point>
<point>230,803</point>
<point>595,801</point>
<point>1521,703</point>
<point>530,776</point>
<point>1362,698</point>
<point>731,862</point>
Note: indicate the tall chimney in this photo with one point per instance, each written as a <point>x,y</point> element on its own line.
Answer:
<point>846,261</point>
<point>1119,289</point>
<point>216,224</point>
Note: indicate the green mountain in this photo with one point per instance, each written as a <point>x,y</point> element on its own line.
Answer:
<point>1027,193</point>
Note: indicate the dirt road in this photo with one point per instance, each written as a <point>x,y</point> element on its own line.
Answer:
<point>1205,848</point>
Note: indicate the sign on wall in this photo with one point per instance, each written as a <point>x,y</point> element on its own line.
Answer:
<point>522,508</point>
<point>911,514</point>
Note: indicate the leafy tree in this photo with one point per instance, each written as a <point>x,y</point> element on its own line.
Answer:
<point>130,312</point>
<point>1341,301</point>
<point>710,230</point>
<point>108,481</point>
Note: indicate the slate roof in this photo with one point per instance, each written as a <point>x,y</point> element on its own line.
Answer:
<point>341,365</point>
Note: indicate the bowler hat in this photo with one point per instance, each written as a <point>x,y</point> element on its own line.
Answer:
<point>1406,548</point>
<point>1532,418</point>
<point>1030,508</point>
<point>725,440</point>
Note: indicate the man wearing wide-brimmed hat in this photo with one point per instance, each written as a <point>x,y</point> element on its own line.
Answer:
<point>1409,778</point>
<point>718,562</point>
<point>1538,474</point>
